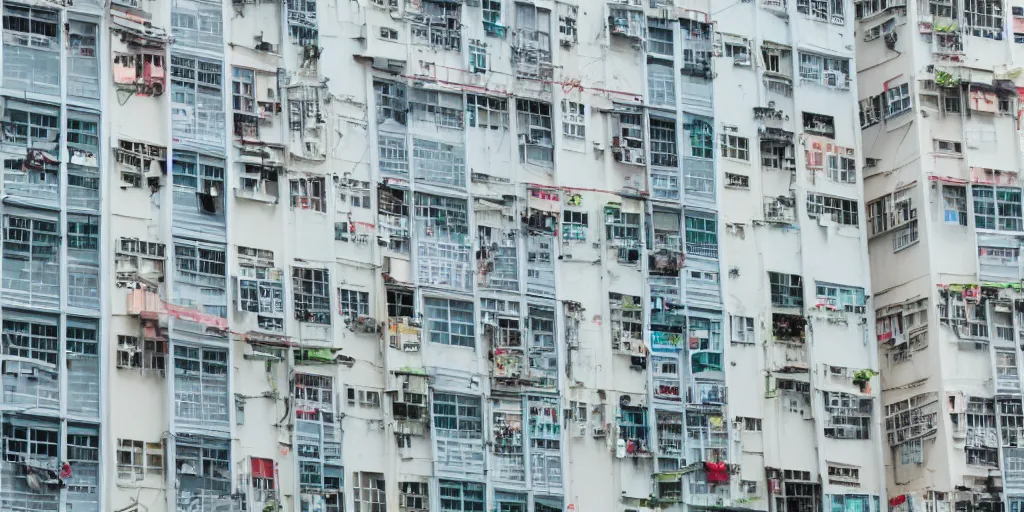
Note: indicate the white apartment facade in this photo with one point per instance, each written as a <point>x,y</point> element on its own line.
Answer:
<point>940,129</point>
<point>523,256</point>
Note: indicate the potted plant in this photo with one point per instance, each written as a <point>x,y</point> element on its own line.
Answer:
<point>862,378</point>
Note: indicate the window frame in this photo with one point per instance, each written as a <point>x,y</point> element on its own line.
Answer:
<point>464,337</point>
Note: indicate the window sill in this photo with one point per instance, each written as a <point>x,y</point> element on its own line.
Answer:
<point>911,244</point>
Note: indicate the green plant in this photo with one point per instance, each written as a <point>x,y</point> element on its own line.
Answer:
<point>862,376</point>
<point>944,79</point>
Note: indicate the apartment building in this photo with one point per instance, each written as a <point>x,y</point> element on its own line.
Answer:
<point>940,125</point>
<point>438,256</point>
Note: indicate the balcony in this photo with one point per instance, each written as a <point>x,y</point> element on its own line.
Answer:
<point>707,393</point>
<point>789,357</point>
<point>626,19</point>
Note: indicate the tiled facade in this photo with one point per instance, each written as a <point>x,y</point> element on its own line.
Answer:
<point>429,255</point>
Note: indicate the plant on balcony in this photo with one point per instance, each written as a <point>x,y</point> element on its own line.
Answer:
<point>944,79</point>
<point>862,378</point>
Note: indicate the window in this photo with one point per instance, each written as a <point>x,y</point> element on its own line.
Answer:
<point>136,158</point>
<point>312,302</point>
<point>439,162</point>
<point>841,211</point>
<point>870,111</point>
<point>1008,208</point>
<point>83,65</point>
<point>574,225</point>
<point>843,475</point>
<point>30,337</point>
<point>31,248</point>
<point>392,153</point>
<point>743,329</point>
<point>197,106</point>
<point>355,192</point>
<point>258,182</point>
<point>391,102</point>
<point>369,492</point>
<point>997,208</point>
<point>897,101</point>
<point>573,119</point>
<point>352,303</point>
<point>260,289</point>
<point>477,56</point>
<point>904,237</point>
<point>444,247</point>
<point>243,90</point>
<point>262,473</point>
<point>567,15</point>
<point>31,49</point>
<point>776,59</point>
<point>458,496</point>
<point>734,146</point>
<point>30,124</point>
<point>201,386</point>
<point>880,30</point>
<point>984,18</point>
<point>492,18</point>
<point>198,184</point>
<point>842,168</point>
<point>663,142</point>
<point>458,413</point>
<point>702,142</point>
<point>388,33</point>
<point>847,416</point>
<point>309,194</point>
<point>824,11</point>
<point>364,397</point>
<point>413,496</point>
<point>436,108</point>
<point>199,262</point>
<point>151,356</point>
<point>870,8</point>
<point>633,427</point>
<point>136,459</point>
<point>830,72</point>
<point>819,124</point>
<point>622,226</point>
<point>951,101</point>
<point>948,147</point>
<point>749,424</point>
<point>738,52</point>
<point>839,296</point>
<point>787,290</point>
<point>665,184</point>
<point>661,83</point>
<point>83,232</point>
<point>83,132</point>
<point>535,142</point>
<point>209,460</point>
<point>400,303</point>
<point>197,26</point>
<point>450,322</point>
<point>439,25</point>
<point>487,112</point>
<point>954,204</point>
<point>701,235</point>
<point>534,24</point>
<point>659,37</point>
<point>912,451</point>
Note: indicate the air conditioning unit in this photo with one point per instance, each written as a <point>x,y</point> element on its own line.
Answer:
<point>579,430</point>
<point>599,432</point>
